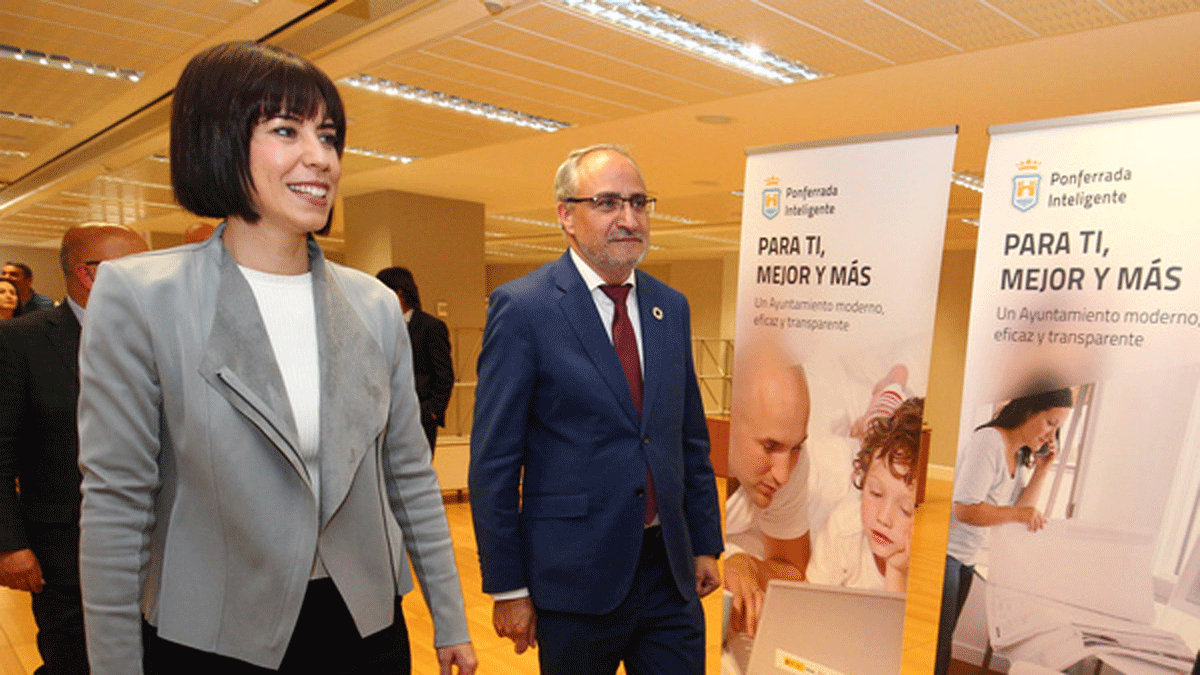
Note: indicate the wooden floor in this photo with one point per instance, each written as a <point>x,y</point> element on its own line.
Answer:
<point>18,653</point>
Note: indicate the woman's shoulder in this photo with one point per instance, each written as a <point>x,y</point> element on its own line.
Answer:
<point>376,304</point>
<point>158,269</point>
<point>989,435</point>
<point>988,439</point>
<point>359,286</point>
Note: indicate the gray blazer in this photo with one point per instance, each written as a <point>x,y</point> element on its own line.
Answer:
<point>197,508</point>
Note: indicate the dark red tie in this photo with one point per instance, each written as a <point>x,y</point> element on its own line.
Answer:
<point>625,343</point>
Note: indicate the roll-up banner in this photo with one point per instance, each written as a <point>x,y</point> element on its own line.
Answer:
<point>1073,536</point>
<point>837,285</point>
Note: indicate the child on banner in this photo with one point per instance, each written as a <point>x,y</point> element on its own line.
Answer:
<point>865,543</point>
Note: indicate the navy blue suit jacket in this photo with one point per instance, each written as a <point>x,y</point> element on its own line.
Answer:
<point>552,405</point>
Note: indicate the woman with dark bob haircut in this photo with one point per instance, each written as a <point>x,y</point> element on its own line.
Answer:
<point>989,489</point>
<point>254,468</point>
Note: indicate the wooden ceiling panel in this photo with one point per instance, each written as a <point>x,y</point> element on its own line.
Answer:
<point>137,35</point>
<point>530,97</point>
<point>1054,17</point>
<point>508,90</point>
<point>1135,10</point>
<point>403,128</point>
<point>562,76</point>
<point>869,27</point>
<point>89,45</point>
<point>969,24</point>
<point>57,95</point>
<point>54,94</point>
<point>622,47</point>
<point>711,207</point>
<point>579,58</point>
<point>783,34</point>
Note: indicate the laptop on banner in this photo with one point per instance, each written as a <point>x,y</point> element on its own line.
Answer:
<point>810,629</point>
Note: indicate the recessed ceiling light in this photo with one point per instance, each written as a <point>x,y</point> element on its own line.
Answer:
<point>59,62</point>
<point>680,32</point>
<point>967,180</point>
<point>33,119</point>
<point>527,221</point>
<point>119,199</point>
<point>378,154</point>
<point>657,215</point>
<point>130,181</point>
<point>708,237</point>
<point>437,99</point>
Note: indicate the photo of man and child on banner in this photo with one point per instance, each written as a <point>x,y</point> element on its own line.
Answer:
<point>838,277</point>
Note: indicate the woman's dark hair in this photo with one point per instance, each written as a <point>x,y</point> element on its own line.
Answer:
<point>17,311</point>
<point>896,440</point>
<point>1015,412</point>
<point>222,95</point>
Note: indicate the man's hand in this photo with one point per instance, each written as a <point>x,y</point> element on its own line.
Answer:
<point>741,580</point>
<point>708,575</point>
<point>516,620</point>
<point>20,570</point>
<point>462,655</point>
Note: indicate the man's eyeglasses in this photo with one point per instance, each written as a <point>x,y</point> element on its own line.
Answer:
<point>610,203</point>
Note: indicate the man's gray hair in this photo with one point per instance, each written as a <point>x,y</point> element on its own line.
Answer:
<point>566,181</point>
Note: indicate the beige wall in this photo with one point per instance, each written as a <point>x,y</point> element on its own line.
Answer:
<point>700,281</point>
<point>440,240</point>
<point>949,355</point>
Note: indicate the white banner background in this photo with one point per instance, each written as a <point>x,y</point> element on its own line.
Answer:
<point>1075,284</point>
<point>839,264</point>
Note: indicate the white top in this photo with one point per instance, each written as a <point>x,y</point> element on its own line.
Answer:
<point>286,304</point>
<point>785,518</point>
<point>981,476</point>
<point>840,553</point>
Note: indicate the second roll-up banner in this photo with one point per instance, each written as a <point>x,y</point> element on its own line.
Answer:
<point>837,286</point>
<point>1075,539</point>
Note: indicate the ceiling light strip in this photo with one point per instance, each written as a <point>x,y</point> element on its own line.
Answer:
<point>704,237</point>
<point>33,119</point>
<point>11,224</point>
<point>437,99</point>
<point>967,180</point>
<point>136,183</point>
<point>674,219</point>
<point>377,154</point>
<point>59,62</point>
<point>38,216</point>
<point>528,221</point>
<point>678,31</point>
<point>123,200</point>
<point>532,247</point>
<point>13,153</point>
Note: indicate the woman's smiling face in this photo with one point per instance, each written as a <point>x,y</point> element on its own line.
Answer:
<point>295,169</point>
